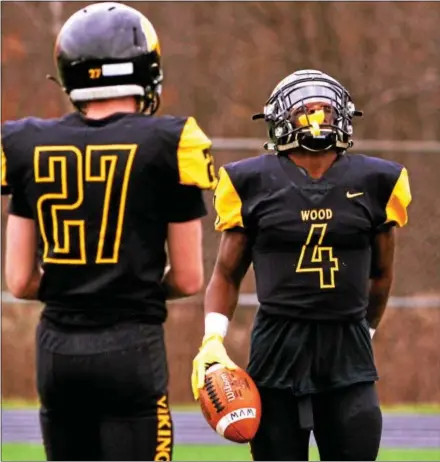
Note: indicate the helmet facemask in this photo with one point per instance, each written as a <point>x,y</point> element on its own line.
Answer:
<point>312,114</point>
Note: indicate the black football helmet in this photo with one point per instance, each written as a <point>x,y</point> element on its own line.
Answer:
<point>292,96</point>
<point>109,50</point>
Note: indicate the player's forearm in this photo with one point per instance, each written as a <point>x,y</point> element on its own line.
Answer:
<point>382,276</point>
<point>169,284</point>
<point>185,285</point>
<point>30,292</point>
<point>220,301</point>
<point>222,295</point>
<point>172,293</point>
<point>378,299</point>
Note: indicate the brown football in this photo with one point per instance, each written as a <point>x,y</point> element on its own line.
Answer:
<point>231,403</point>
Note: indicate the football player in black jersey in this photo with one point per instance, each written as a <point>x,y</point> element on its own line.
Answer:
<point>318,226</point>
<point>96,197</point>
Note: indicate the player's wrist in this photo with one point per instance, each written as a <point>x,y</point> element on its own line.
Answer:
<point>216,325</point>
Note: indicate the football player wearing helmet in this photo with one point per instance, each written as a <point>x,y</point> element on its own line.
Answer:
<point>96,196</point>
<point>318,226</point>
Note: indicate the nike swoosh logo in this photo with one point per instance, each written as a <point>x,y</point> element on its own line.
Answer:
<point>351,195</point>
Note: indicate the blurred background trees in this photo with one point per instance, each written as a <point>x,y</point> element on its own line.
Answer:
<point>222,59</point>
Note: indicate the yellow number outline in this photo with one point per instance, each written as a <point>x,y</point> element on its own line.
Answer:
<point>112,160</point>
<point>67,224</point>
<point>210,168</point>
<point>3,167</point>
<point>105,175</point>
<point>317,257</point>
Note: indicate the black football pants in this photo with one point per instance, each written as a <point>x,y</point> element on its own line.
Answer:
<point>104,405</point>
<point>347,425</point>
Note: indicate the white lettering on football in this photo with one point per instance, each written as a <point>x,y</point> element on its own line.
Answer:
<point>235,416</point>
<point>230,395</point>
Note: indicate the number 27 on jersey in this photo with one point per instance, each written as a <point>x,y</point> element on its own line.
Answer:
<point>63,235</point>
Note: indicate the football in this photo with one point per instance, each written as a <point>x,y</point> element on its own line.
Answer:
<point>231,403</point>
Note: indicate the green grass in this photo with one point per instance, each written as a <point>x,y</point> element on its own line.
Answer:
<point>35,452</point>
<point>422,408</point>
<point>17,404</point>
<point>31,452</point>
<point>418,408</point>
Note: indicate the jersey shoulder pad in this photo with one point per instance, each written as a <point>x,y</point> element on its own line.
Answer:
<point>390,183</point>
<point>16,127</point>
<point>11,136</point>
<point>15,133</point>
<point>17,136</point>
<point>237,181</point>
<point>189,149</point>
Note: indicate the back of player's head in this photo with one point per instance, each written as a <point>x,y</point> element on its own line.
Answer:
<point>109,50</point>
<point>311,111</point>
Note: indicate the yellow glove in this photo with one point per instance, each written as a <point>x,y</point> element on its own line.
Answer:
<point>211,351</point>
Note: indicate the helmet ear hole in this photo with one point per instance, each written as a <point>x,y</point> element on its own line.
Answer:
<point>153,103</point>
<point>281,132</point>
<point>155,72</point>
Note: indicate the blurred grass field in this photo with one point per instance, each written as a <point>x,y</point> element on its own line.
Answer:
<point>31,452</point>
<point>35,452</point>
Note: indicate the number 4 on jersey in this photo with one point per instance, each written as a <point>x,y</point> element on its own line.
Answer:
<point>316,258</point>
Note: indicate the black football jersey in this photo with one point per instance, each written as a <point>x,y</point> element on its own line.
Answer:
<point>102,193</point>
<point>312,239</point>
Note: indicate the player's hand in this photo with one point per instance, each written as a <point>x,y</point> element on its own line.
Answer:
<point>211,351</point>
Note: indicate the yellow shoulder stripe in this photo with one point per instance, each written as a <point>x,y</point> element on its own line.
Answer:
<point>227,204</point>
<point>396,209</point>
<point>195,163</point>
<point>3,173</point>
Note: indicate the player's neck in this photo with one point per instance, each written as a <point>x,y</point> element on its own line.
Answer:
<point>103,109</point>
<point>315,164</point>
